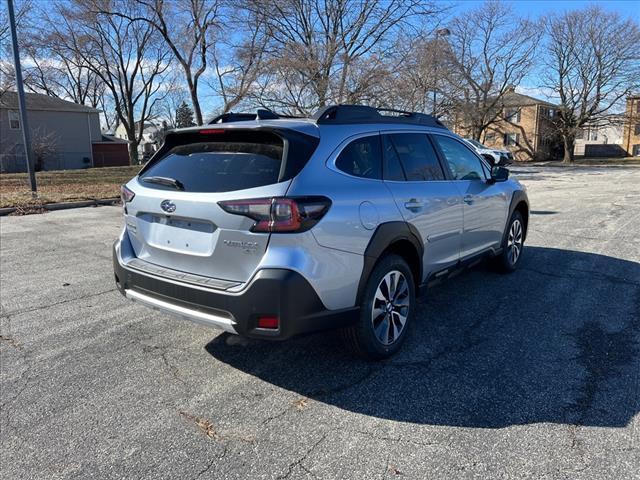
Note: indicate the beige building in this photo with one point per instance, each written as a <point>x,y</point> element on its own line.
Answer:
<point>601,138</point>
<point>525,126</point>
<point>631,133</point>
<point>148,144</point>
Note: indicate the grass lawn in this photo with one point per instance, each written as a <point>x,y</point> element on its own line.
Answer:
<point>63,186</point>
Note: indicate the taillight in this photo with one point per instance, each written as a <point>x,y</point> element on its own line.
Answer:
<point>280,214</point>
<point>126,194</point>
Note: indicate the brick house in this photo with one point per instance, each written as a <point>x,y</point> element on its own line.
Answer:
<point>631,134</point>
<point>525,126</point>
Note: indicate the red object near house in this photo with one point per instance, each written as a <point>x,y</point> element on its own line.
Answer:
<point>110,153</point>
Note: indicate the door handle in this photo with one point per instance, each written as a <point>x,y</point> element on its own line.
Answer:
<point>468,199</point>
<point>413,205</point>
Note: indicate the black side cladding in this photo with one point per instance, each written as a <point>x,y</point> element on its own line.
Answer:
<point>387,234</point>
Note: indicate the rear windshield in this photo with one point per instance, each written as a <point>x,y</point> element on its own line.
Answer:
<point>230,162</point>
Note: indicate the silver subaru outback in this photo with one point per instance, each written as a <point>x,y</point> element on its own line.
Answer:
<point>270,227</point>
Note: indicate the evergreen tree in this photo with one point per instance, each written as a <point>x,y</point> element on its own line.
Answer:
<point>184,116</point>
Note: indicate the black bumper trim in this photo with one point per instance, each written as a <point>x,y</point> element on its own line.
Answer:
<point>283,293</point>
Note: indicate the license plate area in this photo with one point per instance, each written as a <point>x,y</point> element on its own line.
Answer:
<point>177,234</point>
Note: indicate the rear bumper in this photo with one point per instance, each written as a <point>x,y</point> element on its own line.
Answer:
<point>272,292</point>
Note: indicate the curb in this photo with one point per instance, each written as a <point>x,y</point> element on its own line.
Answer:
<point>577,164</point>
<point>67,205</point>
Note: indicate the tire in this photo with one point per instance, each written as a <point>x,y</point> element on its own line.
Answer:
<point>374,336</point>
<point>512,245</point>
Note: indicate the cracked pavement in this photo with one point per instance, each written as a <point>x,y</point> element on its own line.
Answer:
<point>531,375</point>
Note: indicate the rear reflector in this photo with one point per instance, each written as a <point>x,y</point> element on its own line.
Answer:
<point>280,214</point>
<point>268,322</point>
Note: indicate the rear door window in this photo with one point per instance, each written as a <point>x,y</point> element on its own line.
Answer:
<point>417,156</point>
<point>222,163</point>
<point>362,158</point>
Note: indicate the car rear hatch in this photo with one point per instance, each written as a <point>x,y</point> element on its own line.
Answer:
<point>175,221</point>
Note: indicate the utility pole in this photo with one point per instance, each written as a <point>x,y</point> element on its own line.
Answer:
<point>26,133</point>
<point>441,32</point>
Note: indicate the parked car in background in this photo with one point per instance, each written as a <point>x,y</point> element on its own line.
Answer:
<point>496,157</point>
<point>274,227</point>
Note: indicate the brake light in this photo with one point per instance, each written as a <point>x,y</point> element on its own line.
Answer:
<point>126,194</point>
<point>280,214</point>
<point>212,131</point>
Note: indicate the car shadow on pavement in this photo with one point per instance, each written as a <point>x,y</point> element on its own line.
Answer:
<point>557,341</point>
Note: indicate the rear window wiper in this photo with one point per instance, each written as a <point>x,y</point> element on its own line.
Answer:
<point>169,182</point>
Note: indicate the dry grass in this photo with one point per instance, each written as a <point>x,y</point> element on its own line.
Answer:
<point>63,186</point>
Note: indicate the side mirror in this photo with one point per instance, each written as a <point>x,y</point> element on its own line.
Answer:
<point>489,158</point>
<point>499,174</point>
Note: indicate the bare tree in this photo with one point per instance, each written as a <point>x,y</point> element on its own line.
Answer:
<point>493,51</point>
<point>7,73</point>
<point>45,147</point>
<point>317,47</point>
<point>174,96</point>
<point>422,65</point>
<point>57,72</point>
<point>186,28</point>
<point>592,61</point>
<point>238,59</point>
<point>124,54</point>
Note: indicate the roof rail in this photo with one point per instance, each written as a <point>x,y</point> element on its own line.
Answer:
<point>261,114</point>
<point>346,114</point>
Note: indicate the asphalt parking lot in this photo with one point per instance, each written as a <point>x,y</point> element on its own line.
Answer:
<point>532,375</point>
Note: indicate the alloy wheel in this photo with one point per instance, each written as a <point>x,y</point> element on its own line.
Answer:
<point>514,242</point>
<point>390,307</point>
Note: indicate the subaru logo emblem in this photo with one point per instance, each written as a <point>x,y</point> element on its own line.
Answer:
<point>168,206</point>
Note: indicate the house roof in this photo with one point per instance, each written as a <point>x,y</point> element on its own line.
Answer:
<point>37,101</point>
<point>513,99</point>
<point>106,138</point>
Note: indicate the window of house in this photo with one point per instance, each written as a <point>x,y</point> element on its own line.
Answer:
<point>511,139</point>
<point>512,115</point>
<point>593,135</point>
<point>463,163</point>
<point>14,120</point>
<point>637,128</point>
<point>636,150</point>
<point>490,137</point>
<point>416,155</point>
<point>551,113</point>
<point>579,134</point>
<point>362,158</point>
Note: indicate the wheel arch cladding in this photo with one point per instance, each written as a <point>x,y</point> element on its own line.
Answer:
<point>523,208</point>
<point>519,202</point>
<point>400,238</point>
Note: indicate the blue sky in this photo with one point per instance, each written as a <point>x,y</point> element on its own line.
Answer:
<point>536,8</point>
